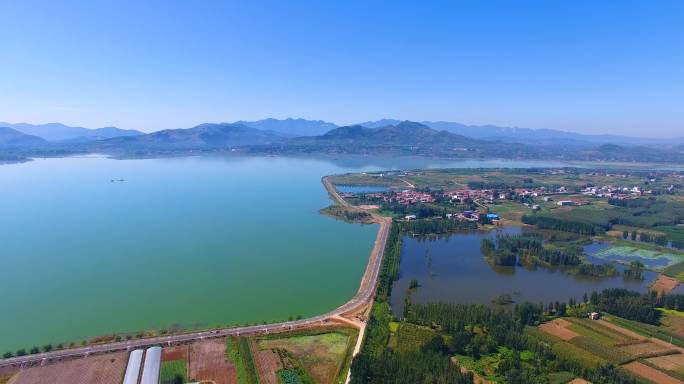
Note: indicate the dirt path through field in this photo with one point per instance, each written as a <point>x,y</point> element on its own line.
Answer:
<point>408,184</point>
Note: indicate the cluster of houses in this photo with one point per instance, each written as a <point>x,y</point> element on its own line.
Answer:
<point>489,195</point>
<point>622,193</point>
<point>461,195</point>
<point>406,197</point>
<point>465,215</point>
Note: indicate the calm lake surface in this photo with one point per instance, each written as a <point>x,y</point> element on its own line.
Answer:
<point>453,269</point>
<point>185,241</point>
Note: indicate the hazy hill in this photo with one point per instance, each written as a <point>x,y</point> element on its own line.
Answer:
<point>12,138</point>
<point>397,138</point>
<point>57,132</point>
<point>291,127</point>
<point>405,133</point>
<point>204,136</point>
<point>549,137</point>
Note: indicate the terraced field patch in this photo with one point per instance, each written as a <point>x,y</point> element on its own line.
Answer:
<point>322,355</point>
<point>207,362</point>
<point>597,331</point>
<point>268,364</point>
<point>651,374</point>
<point>669,363</point>
<point>646,348</point>
<point>559,328</point>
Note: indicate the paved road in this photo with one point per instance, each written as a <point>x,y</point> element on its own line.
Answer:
<point>363,297</point>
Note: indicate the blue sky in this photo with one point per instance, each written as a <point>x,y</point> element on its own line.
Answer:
<point>585,66</point>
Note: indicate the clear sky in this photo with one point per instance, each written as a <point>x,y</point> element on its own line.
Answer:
<point>586,66</point>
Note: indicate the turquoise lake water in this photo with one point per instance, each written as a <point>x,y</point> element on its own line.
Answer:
<point>185,241</point>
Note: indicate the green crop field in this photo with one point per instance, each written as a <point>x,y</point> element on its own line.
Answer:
<point>542,336</point>
<point>411,337</point>
<point>174,372</point>
<point>602,350</point>
<point>325,356</point>
<point>239,352</point>
<point>577,354</point>
<point>676,271</point>
<point>596,331</point>
<point>648,330</point>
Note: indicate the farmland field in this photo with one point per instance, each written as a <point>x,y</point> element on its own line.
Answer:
<point>651,374</point>
<point>618,341</point>
<point>104,369</point>
<point>174,372</point>
<point>410,337</point>
<point>676,271</point>
<point>207,362</point>
<point>597,331</point>
<point>322,355</point>
<point>559,328</point>
<point>268,364</point>
<point>239,351</point>
<point>669,362</point>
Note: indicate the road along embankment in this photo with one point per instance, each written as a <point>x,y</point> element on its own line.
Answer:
<point>363,298</point>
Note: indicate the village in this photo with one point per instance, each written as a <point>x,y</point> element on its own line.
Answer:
<point>480,201</point>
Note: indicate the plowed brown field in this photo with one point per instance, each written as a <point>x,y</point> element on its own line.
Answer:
<point>651,374</point>
<point>268,364</point>
<point>559,328</point>
<point>668,363</point>
<point>105,369</point>
<point>208,362</point>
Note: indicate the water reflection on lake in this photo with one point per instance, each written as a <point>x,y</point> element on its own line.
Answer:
<point>361,188</point>
<point>453,269</point>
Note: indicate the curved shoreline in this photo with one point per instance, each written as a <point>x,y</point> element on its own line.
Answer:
<point>361,300</point>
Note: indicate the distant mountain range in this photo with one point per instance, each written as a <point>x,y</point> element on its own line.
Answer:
<point>529,135</point>
<point>56,132</point>
<point>14,139</point>
<point>291,127</point>
<point>298,136</point>
<point>404,133</point>
<point>201,137</point>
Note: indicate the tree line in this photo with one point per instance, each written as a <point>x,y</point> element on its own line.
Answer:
<point>523,249</point>
<point>547,222</point>
<point>436,226</point>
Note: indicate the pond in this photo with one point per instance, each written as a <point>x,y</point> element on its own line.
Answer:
<point>453,269</point>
